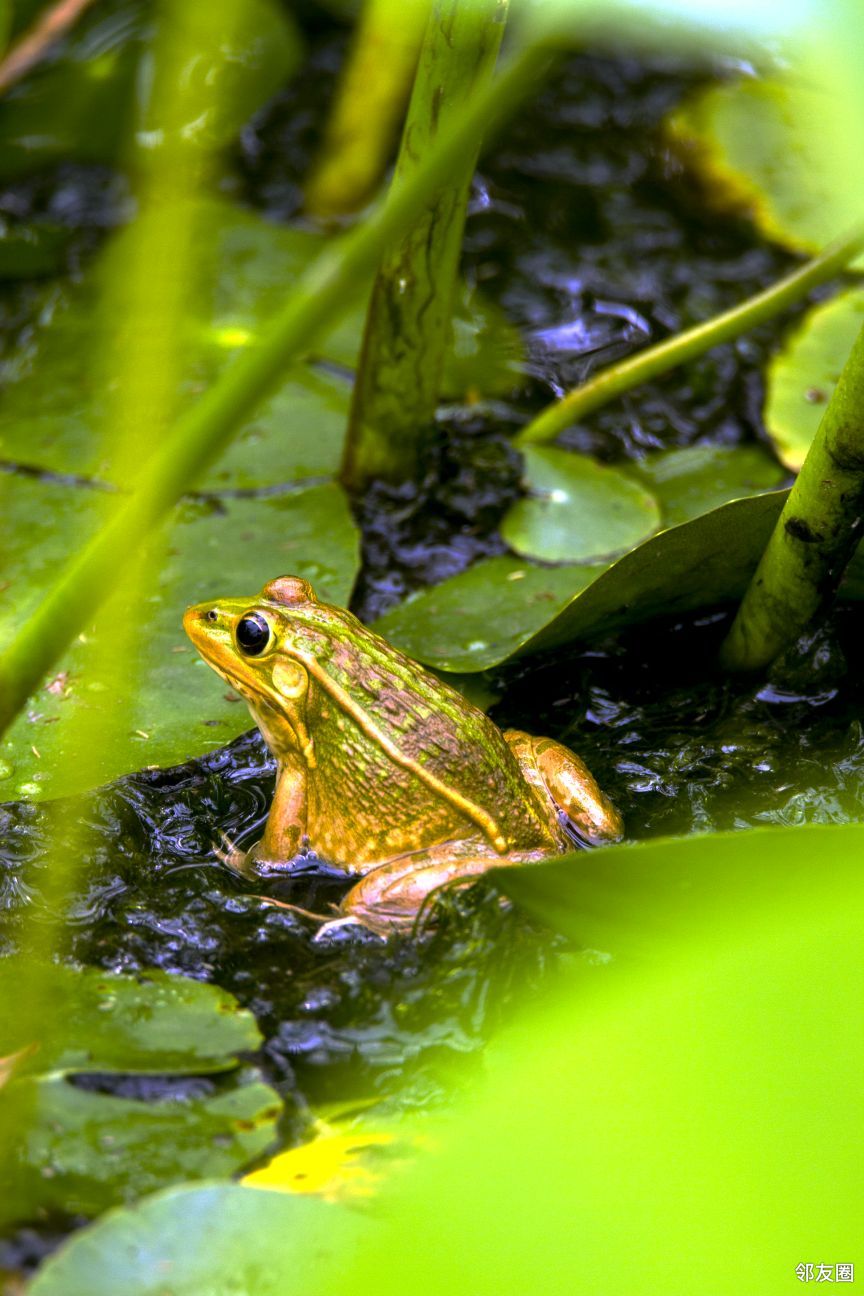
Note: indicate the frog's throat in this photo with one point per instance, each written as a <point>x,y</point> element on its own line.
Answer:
<point>484,821</point>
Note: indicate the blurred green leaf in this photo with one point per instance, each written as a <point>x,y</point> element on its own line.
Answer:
<point>180,709</point>
<point>30,250</point>
<point>803,374</point>
<point>577,510</point>
<point>760,144</point>
<point>77,104</point>
<point>77,1150</point>
<point>673,1115</point>
<point>695,480</point>
<point>55,401</point>
<point>244,1242</point>
<point>90,1020</point>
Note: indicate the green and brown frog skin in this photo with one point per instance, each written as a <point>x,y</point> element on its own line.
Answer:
<point>382,769</point>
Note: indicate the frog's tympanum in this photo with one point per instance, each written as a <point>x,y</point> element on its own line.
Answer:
<point>383,769</point>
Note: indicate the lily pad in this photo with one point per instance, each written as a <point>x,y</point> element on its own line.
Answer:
<point>803,375</point>
<point>761,145</point>
<point>175,707</point>
<point>100,1148</point>
<point>214,1240</point>
<point>577,510</point>
<point>56,402</point>
<point>91,1020</point>
<point>482,616</point>
<point>488,614</point>
<point>695,480</point>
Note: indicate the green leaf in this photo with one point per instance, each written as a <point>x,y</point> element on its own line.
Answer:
<point>213,1240</point>
<point>577,510</point>
<point>802,376</point>
<point>54,406</point>
<point>761,145</point>
<point>78,1150</point>
<point>500,608</point>
<point>697,479</point>
<point>482,616</point>
<point>91,1020</point>
<point>678,1104</point>
<point>177,707</point>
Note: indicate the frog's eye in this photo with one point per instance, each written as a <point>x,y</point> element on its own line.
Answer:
<point>252,634</point>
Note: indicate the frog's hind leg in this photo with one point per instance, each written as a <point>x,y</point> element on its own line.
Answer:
<point>558,773</point>
<point>390,897</point>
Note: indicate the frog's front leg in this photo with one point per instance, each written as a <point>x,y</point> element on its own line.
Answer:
<point>286,823</point>
<point>557,772</point>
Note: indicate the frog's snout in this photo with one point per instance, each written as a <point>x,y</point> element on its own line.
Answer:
<point>198,620</point>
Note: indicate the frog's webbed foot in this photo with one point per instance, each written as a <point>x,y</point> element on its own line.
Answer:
<point>394,895</point>
<point>559,774</point>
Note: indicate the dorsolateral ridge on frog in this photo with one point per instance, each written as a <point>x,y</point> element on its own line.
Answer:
<point>383,769</point>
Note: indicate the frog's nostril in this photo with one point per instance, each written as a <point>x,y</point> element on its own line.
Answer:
<point>212,615</point>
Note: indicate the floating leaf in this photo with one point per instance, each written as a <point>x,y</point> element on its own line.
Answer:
<point>56,404</point>
<point>802,376</point>
<point>482,616</point>
<point>179,708</point>
<point>91,1020</point>
<point>577,510</point>
<point>699,478</point>
<point>500,607</point>
<point>760,146</point>
<point>98,1148</point>
<point>215,1240</point>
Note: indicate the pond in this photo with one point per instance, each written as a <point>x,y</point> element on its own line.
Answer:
<point>590,232</point>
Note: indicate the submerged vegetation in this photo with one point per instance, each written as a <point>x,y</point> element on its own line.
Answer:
<point>569,408</point>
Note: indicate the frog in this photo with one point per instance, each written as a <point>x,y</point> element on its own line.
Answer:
<point>383,769</point>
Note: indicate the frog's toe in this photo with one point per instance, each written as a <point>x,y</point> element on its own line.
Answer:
<point>349,920</point>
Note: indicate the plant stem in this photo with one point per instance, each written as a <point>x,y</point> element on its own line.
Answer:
<point>89,576</point>
<point>815,536</point>
<point>409,321</point>
<point>656,360</point>
<point>371,97</point>
<point>50,25</point>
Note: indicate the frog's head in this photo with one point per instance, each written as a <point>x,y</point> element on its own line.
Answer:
<point>248,642</point>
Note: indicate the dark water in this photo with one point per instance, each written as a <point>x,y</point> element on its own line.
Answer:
<point>585,229</point>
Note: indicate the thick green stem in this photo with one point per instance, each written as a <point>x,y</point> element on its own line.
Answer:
<point>365,117</point>
<point>409,321</point>
<point>815,536</point>
<point>657,360</point>
<point>89,576</point>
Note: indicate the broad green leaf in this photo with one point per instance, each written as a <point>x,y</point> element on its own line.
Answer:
<point>501,607</point>
<point>802,376</point>
<point>760,143</point>
<point>177,707</point>
<point>482,616</point>
<point>577,510</point>
<point>673,1115</point>
<point>101,1148</point>
<point>214,1240</point>
<point>91,1020</point>
<point>695,480</point>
